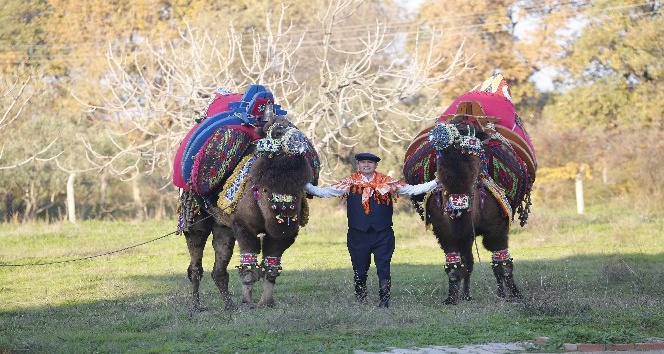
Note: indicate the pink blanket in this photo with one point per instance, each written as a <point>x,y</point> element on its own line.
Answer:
<point>495,98</point>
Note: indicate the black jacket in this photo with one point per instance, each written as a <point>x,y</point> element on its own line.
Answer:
<point>379,217</point>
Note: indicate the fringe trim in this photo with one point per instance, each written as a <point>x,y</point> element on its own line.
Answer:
<point>499,193</point>
<point>427,220</point>
<point>228,206</point>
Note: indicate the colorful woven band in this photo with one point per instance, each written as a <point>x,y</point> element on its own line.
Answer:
<point>501,255</point>
<point>248,258</point>
<point>453,257</point>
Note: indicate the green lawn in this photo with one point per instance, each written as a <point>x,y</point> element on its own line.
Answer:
<point>586,278</point>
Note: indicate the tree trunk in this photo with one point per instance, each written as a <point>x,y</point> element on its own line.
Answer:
<point>141,212</point>
<point>579,191</point>
<point>30,202</point>
<point>71,201</point>
<point>605,173</point>
<point>104,188</point>
<point>160,208</point>
<point>103,194</point>
<point>9,207</point>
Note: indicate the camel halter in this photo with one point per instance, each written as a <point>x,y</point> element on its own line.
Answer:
<point>444,135</point>
<point>292,142</point>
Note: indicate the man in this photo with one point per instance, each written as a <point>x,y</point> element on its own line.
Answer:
<point>369,195</point>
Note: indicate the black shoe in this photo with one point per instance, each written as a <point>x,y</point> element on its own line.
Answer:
<point>361,291</point>
<point>384,293</point>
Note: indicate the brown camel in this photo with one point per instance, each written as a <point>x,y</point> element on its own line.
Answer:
<point>465,206</point>
<point>263,218</point>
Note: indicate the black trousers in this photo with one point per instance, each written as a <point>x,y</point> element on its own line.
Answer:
<point>361,245</point>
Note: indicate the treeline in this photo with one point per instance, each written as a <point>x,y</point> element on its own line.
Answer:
<point>96,96</point>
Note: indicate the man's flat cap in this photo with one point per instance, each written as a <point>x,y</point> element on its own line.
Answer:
<point>367,156</point>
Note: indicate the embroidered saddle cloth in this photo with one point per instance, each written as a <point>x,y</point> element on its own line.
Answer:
<point>504,166</point>
<point>218,104</point>
<point>223,154</point>
<point>218,157</point>
<point>224,132</point>
<point>510,158</point>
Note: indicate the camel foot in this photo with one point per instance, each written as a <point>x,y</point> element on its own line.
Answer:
<point>248,305</point>
<point>450,301</point>
<point>230,306</point>
<point>197,307</point>
<point>269,304</point>
<point>515,298</point>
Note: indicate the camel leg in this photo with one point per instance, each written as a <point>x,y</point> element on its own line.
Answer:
<point>196,237</point>
<point>503,267</point>
<point>503,271</point>
<point>249,269</point>
<point>498,273</point>
<point>249,275</point>
<point>497,242</point>
<point>469,262</point>
<point>515,294</point>
<point>273,249</point>
<point>271,270</point>
<point>223,243</point>
<point>267,299</point>
<point>456,271</point>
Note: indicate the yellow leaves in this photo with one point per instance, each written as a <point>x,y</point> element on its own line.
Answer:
<point>486,29</point>
<point>571,170</point>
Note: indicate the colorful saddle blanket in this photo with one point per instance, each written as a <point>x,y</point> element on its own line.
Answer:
<point>218,157</point>
<point>504,166</point>
<point>511,165</point>
<point>222,154</point>
<point>227,114</point>
<point>492,100</point>
<point>508,170</point>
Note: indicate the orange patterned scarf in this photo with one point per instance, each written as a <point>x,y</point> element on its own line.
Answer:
<point>382,187</point>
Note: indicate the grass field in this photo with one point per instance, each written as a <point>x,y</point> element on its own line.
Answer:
<point>597,277</point>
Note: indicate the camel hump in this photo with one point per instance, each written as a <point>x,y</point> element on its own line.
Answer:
<point>490,104</point>
<point>516,135</point>
<point>226,113</point>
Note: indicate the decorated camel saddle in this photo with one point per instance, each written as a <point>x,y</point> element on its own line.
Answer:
<point>223,140</point>
<point>511,163</point>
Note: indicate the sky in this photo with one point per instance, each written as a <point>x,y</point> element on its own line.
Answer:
<point>409,5</point>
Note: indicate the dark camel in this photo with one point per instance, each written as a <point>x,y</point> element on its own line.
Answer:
<point>265,220</point>
<point>463,208</point>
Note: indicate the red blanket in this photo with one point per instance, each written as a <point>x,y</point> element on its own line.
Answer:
<point>496,99</point>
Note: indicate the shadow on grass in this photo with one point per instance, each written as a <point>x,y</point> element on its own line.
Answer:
<point>602,299</point>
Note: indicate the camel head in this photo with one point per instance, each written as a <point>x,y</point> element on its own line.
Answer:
<point>460,155</point>
<point>279,175</point>
<point>280,137</point>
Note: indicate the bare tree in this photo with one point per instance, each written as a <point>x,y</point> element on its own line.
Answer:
<point>365,81</point>
<point>332,84</point>
<point>24,150</point>
<point>15,98</point>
